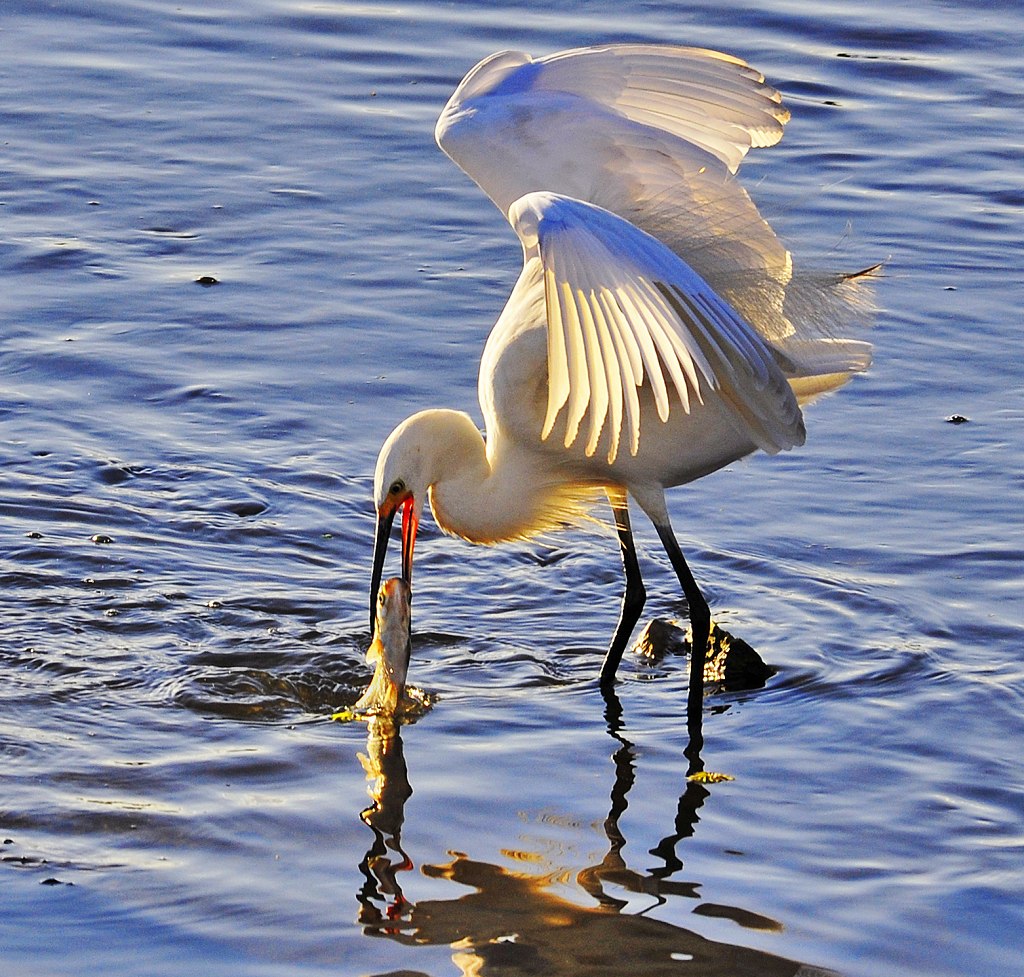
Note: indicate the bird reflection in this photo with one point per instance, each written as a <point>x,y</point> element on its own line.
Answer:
<point>512,924</point>
<point>380,897</point>
<point>612,868</point>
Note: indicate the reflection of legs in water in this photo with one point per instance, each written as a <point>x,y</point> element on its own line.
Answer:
<point>612,868</point>
<point>690,802</point>
<point>505,921</point>
<point>384,763</point>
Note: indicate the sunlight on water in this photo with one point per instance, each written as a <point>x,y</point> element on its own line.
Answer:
<point>233,260</point>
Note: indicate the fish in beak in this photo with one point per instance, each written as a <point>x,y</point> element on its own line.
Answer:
<point>385,519</point>
<point>390,650</point>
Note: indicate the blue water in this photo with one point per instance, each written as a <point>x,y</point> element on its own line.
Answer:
<point>186,522</point>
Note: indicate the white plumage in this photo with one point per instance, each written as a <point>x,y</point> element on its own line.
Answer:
<point>657,331</point>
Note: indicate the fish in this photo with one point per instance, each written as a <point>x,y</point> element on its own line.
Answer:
<point>390,651</point>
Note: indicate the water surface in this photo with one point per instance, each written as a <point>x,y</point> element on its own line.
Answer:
<point>186,522</point>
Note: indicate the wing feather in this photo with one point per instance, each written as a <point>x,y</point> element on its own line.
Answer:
<point>582,122</point>
<point>575,344</point>
<point>684,351</point>
<point>653,133</point>
<point>711,99</point>
<point>597,370</point>
<point>635,323</point>
<point>631,370</point>
<point>558,364</point>
<point>616,378</point>
<point>629,312</point>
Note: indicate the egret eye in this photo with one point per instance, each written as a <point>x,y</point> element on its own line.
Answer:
<point>396,487</point>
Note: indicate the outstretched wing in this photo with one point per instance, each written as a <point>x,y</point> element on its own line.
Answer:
<point>586,121</point>
<point>623,310</point>
<point>652,133</point>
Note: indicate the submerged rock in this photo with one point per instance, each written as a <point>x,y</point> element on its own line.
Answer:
<point>731,663</point>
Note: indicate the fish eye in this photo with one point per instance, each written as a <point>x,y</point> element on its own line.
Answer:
<point>396,487</point>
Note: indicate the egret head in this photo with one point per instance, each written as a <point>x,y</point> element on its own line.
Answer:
<point>427,449</point>
<point>422,450</point>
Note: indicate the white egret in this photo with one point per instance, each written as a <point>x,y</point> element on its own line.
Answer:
<point>657,332</point>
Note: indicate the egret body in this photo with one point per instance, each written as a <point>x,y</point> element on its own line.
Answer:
<point>657,332</point>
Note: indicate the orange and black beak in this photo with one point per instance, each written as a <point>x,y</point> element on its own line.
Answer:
<point>385,519</point>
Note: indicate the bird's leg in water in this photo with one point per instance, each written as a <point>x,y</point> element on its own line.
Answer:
<point>700,630</point>
<point>634,596</point>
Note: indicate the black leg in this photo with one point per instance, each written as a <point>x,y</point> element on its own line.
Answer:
<point>635,595</point>
<point>700,626</point>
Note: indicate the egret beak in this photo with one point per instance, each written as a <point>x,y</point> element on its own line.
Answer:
<point>380,549</point>
<point>410,524</point>
<point>385,520</point>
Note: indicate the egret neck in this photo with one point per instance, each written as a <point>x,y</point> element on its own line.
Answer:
<point>479,492</point>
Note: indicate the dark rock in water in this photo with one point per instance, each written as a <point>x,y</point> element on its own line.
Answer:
<point>957,419</point>
<point>248,508</point>
<point>731,663</point>
<point>660,638</point>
